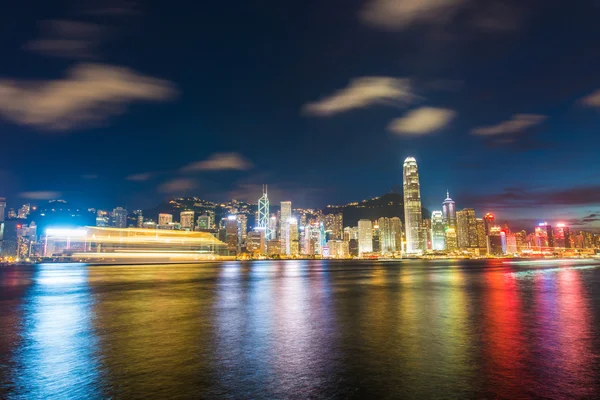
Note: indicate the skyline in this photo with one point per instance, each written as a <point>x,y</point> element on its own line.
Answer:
<point>323,112</point>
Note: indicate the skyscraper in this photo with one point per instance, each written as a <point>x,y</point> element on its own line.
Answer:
<point>293,244</point>
<point>204,222</point>
<point>165,219</point>
<point>365,236</point>
<point>412,208</point>
<point>387,237</point>
<point>263,214</point>
<point>186,219</point>
<point>489,222</point>
<point>397,229</point>
<point>438,231</point>
<point>467,229</point>
<point>119,217</point>
<point>231,233</point>
<point>286,214</point>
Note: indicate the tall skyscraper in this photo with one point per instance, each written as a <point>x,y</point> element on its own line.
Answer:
<point>186,219</point>
<point>467,229</point>
<point>365,236</point>
<point>286,214</point>
<point>231,233</point>
<point>293,244</point>
<point>438,231</point>
<point>481,236</point>
<point>387,237</point>
<point>263,214</point>
<point>119,217</point>
<point>397,229</point>
<point>415,242</point>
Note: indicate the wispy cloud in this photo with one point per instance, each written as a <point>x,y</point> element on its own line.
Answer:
<point>516,124</point>
<point>363,92</point>
<point>402,14</point>
<point>90,93</point>
<point>69,39</point>
<point>141,177</point>
<point>220,162</point>
<point>422,121</point>
<point>177,186</point>
<point>40,195</point>
<point>592,100</point>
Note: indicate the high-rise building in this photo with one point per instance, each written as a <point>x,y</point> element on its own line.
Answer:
<point>140,219</point>
<point>415,242</point>
<point>489,222</point>
<point>387,236</point>
<point>426,232</point>
<point>102,218</point>
<point>467,229</point>
<point>231,233</point>
<point>273,227</point>
<point>438,231</point>
<point>544,235</point>
<point>242,227</point>
<point>397,229</point>
<point>334,225</point>
<point>286,214</point>
<point>165,219</point>
<point>481,236</point>
<point>562,236</point>
<point>204,222</point>
<point>496,241</point>
<point>186,219</point>
<point>255,242</point>
<point>365,236</point>
<point>119,216</point>
<point>264,213</point>
<point>293,244</point>
<point>449,212</point>
<point>338,249</point>
<point>451,240</point>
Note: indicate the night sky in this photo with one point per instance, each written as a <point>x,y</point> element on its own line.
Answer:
<point>112,103</point>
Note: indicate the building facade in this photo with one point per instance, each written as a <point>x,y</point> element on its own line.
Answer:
<point>415,243</point>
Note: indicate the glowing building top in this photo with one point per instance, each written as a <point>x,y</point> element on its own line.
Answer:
<point>263,214</point>
<point>449,211</point>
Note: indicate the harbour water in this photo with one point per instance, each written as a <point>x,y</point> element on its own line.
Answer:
<point>302,329</point>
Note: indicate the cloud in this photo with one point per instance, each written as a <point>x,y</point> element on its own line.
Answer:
<point>141,177</point>
<point>40,195</point>
<point>363,92</point>
<point>592,100</point>
<point>219,162</point>
<point>525,198</point>
<point>422,121</point>
<point>90,93</point>
<point>68,39</point>
<point>517,123</point>
<point>178,185</point>
<point>402,14</point>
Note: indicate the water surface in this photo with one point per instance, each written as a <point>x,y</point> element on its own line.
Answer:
<point>301,329</point>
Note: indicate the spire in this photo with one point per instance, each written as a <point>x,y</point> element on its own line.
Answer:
<point>265,189</point>
<point>447,194</point>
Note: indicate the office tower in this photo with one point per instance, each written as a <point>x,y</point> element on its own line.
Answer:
<point>242,227</point>
<point>511,244</point>
<point>314,234</point>
<point>350,233</point>
<point>338,249</point>
<point>256,241</point>
<point>562,236</point>
<point>387,236</point>
<point>334,225</point>
<point>438,231</point>
<point>204,222</point>
<point>467,229</point>
<point>544,235</point>
<point>396,224</point>
<point>186,219</point>
<point>293,244</point>
<point>489,222</point>
<point>140,219</point>
<point>426,232</point>
<point>264,213</point>
<point>231,233</point>
<point>119,216</point>
<point>365,236</point>
<point>496,241</point>
<point>285,215</point>
<point>481,235</point>
<point>449,212</point>
<point>165,219</point>
<point>273,227</point>
<point>451,240</point>
<point>415,242</point>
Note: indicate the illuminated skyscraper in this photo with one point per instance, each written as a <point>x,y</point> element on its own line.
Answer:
<point>186,219</point>
<point>397,229</point>
<point>562,236</point>
<point>365,236</point>
<point>438,231</point>
<point>286,214</point>
<point>231,233</point>
<point>415,242</point>
<point>293,244</point>
<point>242,227</point>
<point>387,237</point>
<point>489,222</point>
<point>119,217</point>
<point>481,236</point>
<point>263,214</point>
<point>467,229</point>
<point>544,235</point>
<point>204,222</point>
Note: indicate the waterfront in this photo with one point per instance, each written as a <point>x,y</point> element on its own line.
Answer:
<point>299,329</point>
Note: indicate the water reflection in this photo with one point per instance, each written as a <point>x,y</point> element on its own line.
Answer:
<point>58,355</point>
<point>301,329</point>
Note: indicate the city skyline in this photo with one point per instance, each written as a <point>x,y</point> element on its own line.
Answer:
<point>214,123</point>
